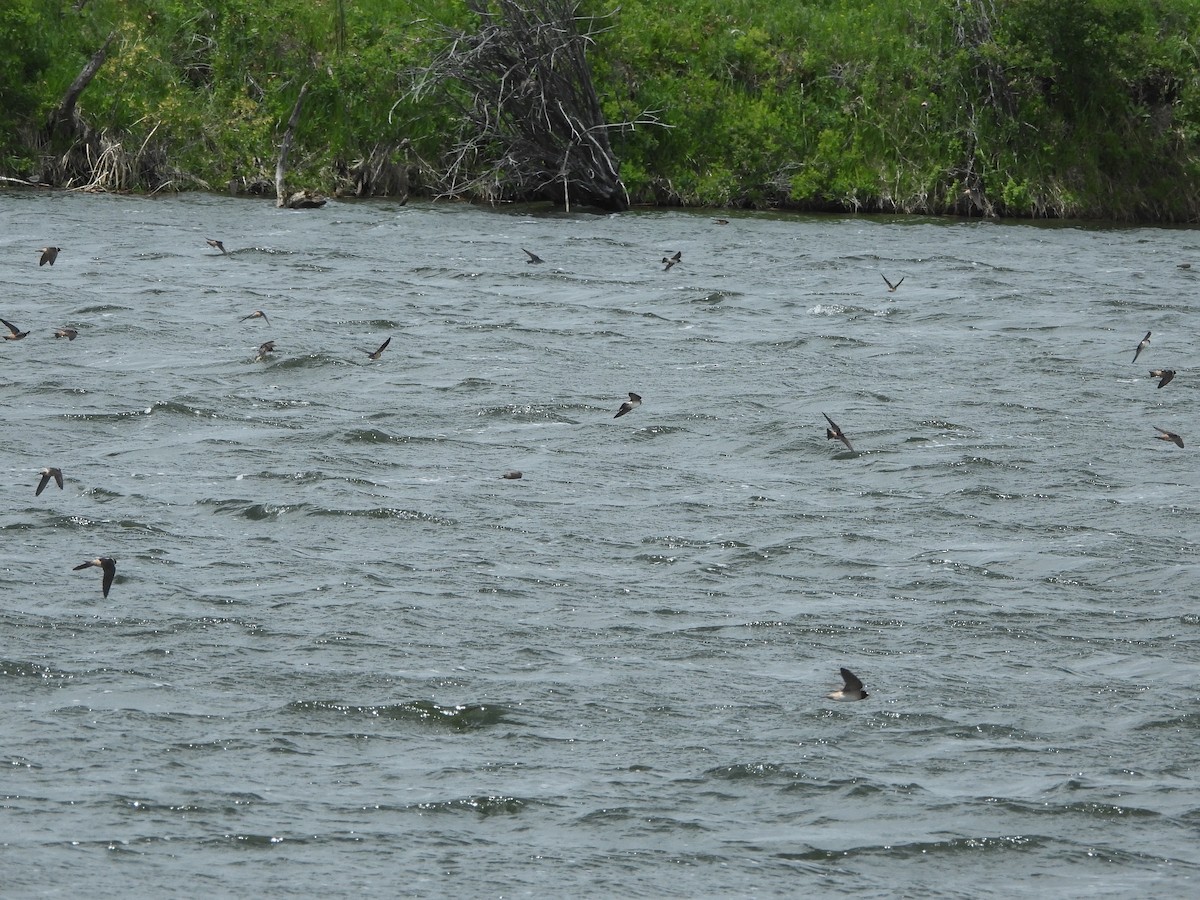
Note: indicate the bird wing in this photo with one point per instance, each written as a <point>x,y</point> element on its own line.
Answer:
<point>42,484</point>
<point>110,572</point>
<point>11,327</point>
<point>852,682</point>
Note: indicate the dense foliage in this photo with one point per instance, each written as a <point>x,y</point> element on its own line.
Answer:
<point>1012,107</point>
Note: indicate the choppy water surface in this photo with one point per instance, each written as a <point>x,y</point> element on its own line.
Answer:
<point>343,656</point>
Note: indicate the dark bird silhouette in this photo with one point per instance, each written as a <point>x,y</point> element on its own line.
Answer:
<point>68,333</point>
<point>107,564</point>
<point>216,245</point>
<point>257,314</point>
<point>833,432</point>
<point>264,349</point>
<point>632,403</point>
<point>48,473</point>
<point>852,688</point>
<point>1171,436</point>
<point>533,257</point>
<point>892,287</point>
<point>513,475</point>
<point>375,354</point>
<point>721,221</point>
<point>14,333</point>
<point>669,261</point>
<point>49,255</point>
<point>1145,342</point>
<point>1164,376</point>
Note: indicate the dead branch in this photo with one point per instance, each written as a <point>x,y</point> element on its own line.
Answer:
<point>301,199</point>
<point>64,120</point>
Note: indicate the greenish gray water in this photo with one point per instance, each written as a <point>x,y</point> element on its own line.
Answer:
<point>343,655</point>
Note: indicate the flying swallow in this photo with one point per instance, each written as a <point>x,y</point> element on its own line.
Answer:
<point>264,349</point>
<point>257,314</point>
<point>512,476</point>
<point>378,353</point>
<point>1164,376</point>
<point>533,257</point>
<point>107,564</point>
<point>852,689</point>
<point>1145,342</point>
<point>721,221</point>
<point>1169,436</point>
<point>834,432</point>
<point>48,473</point>
<point>15,334</point>
<point>892,287</point>
<point>632,403</point>
<point>68,333</point>
<point>669,261</point>
<point>216,245</point>
<point>49,255</point>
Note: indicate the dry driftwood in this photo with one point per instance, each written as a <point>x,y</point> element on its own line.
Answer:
<point>532,126</point>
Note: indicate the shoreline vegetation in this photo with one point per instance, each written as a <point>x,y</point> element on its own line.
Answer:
<point>1083,109</point>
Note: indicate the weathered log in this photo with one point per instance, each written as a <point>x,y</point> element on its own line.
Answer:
<point>285,147</point>
<point>64,120</point>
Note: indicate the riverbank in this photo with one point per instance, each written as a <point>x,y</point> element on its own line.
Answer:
<point>1083,110</point>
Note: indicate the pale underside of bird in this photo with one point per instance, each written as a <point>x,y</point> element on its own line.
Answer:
<point>216,245</point>
<point>634,401</point>
<point>1142,345</point>
<point>264,349</point>
<point>669,261</point>
<point>107,565</point>
<point>48,473</point>
<point>257,314</point>
<point>14,333</point>
<point>49,255</point>
<point>69,333</point>
<point>852,688</point>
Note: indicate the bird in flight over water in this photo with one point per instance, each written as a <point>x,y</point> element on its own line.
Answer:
<point>108,565</point>
<point>48,473</point>
<point>834,432</point>
<point>533,257</point>
<point>669,261</point>
<point>257,314</point>
<point>1145,342</point>
<point>892,287</point>
<point>1164,376</point>
<point>14,333</point>
<point>1171,436</point>
<point>216,245</point>
<point>375,354</point>
<point>49,255</point>
<point>634,401</point>
<point>852,688</point>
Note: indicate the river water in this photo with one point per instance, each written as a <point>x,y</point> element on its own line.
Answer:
<point>344,657</point>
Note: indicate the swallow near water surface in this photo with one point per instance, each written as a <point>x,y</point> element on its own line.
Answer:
<point>257,314</point>
<point>892,287</point>
<point>634,401</point>
<point>852,688</point>
<point>48,473</point>
<point>1171,436</point>
<point>375,354</point>
<point>533,257</point>
<point>264,349</point>
<point>69,333</point>
<point>1164,376</point>
<point>512,475</point>
<point>49,255</point>
<point>216,245</point>
<point>669,261</point>
<point>106,564</point>
<point>833,432</point>
<point>1145,342</point>
<point>14,333</point>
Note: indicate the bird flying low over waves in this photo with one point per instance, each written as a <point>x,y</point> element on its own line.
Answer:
<point>892,287</point>
<point>264,349</point>
<point>216,245</point>
<point>512,475</point>
<point>1171,436</point>
<point>833,432</point>
<point>634,401</point>
<point>69,333</point>
<point>533,257</point>
<point>1164,376</point>
<point>1145,342</point>
<point>49,255</point>
<point>48,473</point>
<point>257,314</point>
<point>107,564</point>
<point>669,261</point>
<point>375,354</point>
<point>852,688</point>
<point>14,333</point>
